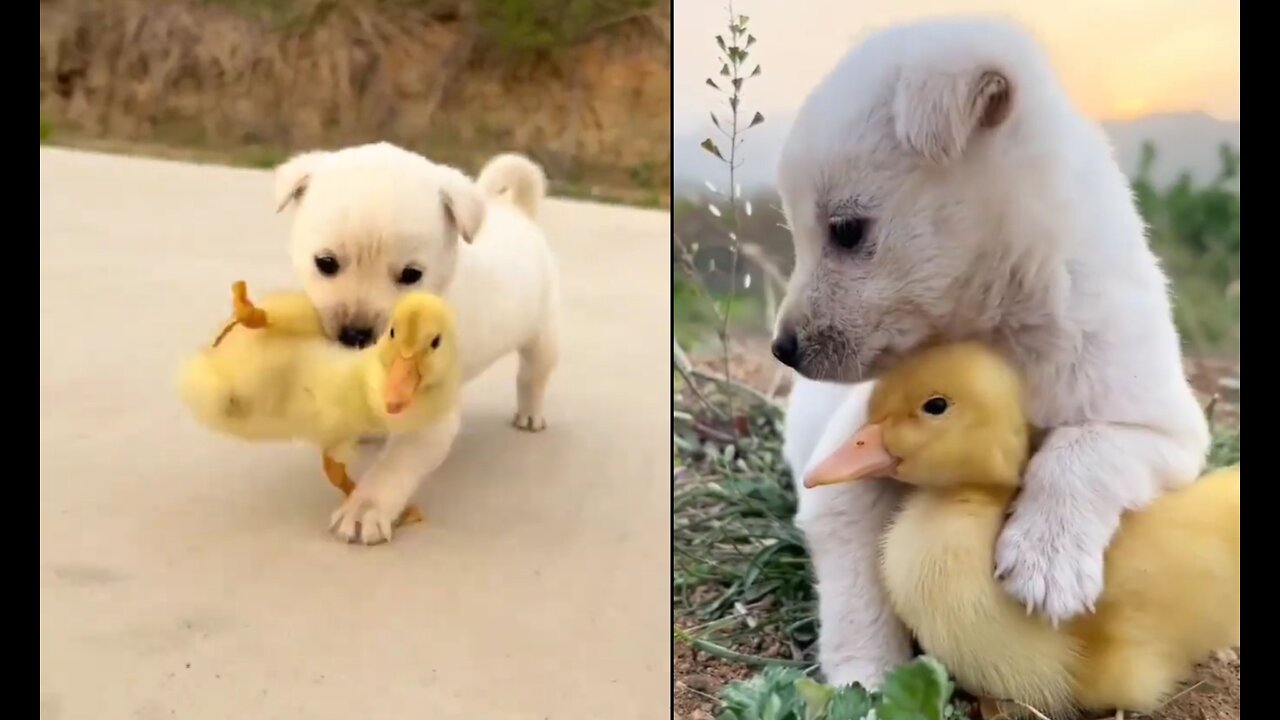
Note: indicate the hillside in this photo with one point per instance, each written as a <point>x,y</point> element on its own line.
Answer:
<point>455,79</point>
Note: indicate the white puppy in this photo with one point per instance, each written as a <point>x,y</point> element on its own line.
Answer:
<point>374,221</point>
<point>939,184</point>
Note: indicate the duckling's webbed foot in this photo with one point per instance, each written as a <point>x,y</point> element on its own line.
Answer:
<point>246,313</point>
<point>410,516</point>
<point>337,474</point>
<point>338,477</point>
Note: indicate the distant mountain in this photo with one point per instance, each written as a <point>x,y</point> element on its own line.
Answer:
<point>693,166</point>
<point>1184,142</point>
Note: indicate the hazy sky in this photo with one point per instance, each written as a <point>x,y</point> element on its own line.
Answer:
<point>1119,58</point>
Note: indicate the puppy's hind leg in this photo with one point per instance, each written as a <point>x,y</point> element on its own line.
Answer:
<point>537,360</point>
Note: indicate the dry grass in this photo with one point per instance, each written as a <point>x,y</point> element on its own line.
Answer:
<point>203,75</point>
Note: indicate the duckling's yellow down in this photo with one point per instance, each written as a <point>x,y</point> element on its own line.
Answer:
<point>1172,573</point>
<point>286,381</point>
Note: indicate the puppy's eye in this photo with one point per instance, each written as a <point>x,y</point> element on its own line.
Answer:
<point>327,265</point>
<point>435,342</point>
<point>847,233</point>
<point>936,405</point>
<point>409,276</point>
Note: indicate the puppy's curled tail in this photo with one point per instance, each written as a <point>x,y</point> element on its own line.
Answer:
<point>516,178</point>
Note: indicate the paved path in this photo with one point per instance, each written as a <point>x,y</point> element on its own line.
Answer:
<point>186,576</point>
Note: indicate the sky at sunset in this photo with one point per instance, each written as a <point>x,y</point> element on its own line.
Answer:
<point>1120,59</point>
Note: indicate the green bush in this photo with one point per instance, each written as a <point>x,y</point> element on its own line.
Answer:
<point>539,25</point>
<point>1196,232</point>
<point>918,690</point>
<point>515,26</point>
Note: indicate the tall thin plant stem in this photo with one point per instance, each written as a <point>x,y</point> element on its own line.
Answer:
<point>733,212</point>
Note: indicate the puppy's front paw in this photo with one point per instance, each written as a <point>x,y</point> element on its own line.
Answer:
<point>529,423</point>
<point>362,518</point>
<point>1051,565</point>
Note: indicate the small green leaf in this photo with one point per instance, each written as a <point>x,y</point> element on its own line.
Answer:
<point>724,70</point>
<point>771,695</point>
<point>850,703</point>
<point>720,42</point>
<point>751,40</point>
<point>715,121</point>
<point>756,120</point>
<point>712,83</point>
<point>756,71</point>
<point>737,84</point>
<point>772,708</point>
<point>733,102</point>
<point>710,147</point>
<point>742,20</point>
<point>916,691</point>
<point>816,697</point>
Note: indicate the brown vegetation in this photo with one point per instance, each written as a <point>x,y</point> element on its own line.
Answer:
<point>222,75</point>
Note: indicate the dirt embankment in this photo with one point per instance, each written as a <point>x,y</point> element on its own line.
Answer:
<point>205,76</point>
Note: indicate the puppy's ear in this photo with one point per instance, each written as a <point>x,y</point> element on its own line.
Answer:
<point>292,177</point>
<point>463,206</point>
<point>937,113</point>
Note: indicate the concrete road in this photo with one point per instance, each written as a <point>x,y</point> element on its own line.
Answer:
<point>187,576</point>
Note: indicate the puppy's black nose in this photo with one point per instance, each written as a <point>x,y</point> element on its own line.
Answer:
<point>355,337</point>
<point>786,348</point>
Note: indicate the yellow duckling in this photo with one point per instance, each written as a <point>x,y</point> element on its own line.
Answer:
<point>949,422</point>
<point>272,375</point>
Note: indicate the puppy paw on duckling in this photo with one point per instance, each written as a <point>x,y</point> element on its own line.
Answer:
<point>949,422</point>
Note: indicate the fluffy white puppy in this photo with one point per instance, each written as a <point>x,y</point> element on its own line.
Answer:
<point>374,221</point>
<point>939,185</point>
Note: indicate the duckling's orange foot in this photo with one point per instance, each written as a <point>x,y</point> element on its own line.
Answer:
<point>529,423</point>
<point>246,313</point>
<point>410,516</point>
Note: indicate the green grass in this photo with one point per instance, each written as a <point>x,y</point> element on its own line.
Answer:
<point>741,570</point>
<point>696,322</point>
<point>510,26</point>
<point>1225,449</point>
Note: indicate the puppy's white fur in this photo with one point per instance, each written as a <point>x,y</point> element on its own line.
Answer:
<point>377,210</point>
<point>996,211</point>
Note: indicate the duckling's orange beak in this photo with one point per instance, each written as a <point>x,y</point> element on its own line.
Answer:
<point>403,379</point>
<point>860,457</point>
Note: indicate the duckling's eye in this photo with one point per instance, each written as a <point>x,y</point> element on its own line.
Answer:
<point>409,276</point>
<point>935,406</point>
<point>328,265</point>
<point>393,333</point>
<point>435,342</point>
